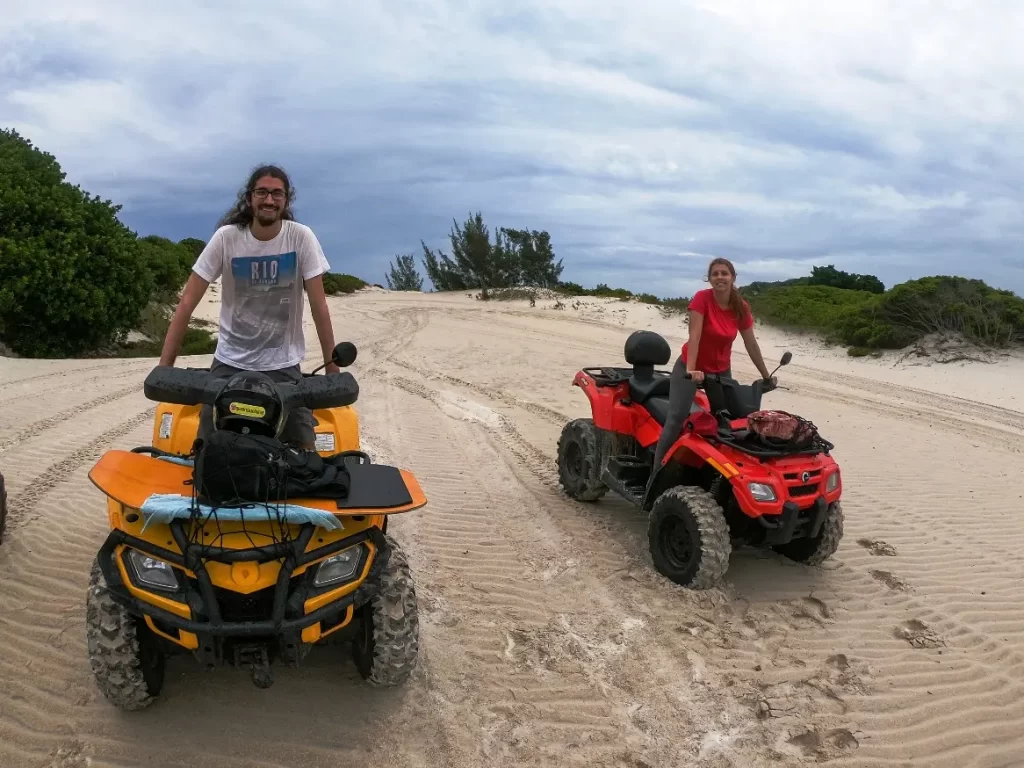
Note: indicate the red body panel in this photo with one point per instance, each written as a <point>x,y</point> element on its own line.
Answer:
<point>613,411</point>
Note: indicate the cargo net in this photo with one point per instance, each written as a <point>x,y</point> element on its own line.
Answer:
<point>785,431</point>
<point>225,478</point>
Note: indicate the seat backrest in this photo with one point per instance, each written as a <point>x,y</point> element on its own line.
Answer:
<point>647,349</point>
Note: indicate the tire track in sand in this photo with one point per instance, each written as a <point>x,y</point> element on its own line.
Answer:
<point>60,418</point>
<point>21,505</point>
<point>561,625</point>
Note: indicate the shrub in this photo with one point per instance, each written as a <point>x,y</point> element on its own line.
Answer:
<point>571,289</point>
<point>944,304</point>
<point>335,283</point>
<point>807,307</point>
<point>169,263</point>
<point>72,277</point>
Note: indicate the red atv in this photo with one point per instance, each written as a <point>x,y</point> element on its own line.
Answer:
<point>736,474</point>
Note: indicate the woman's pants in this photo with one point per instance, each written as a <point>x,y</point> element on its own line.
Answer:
<point>680,398</point>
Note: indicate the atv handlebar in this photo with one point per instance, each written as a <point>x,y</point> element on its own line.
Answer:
<point>767,385</point>
<point>184,386</point>
<point>196,386</point>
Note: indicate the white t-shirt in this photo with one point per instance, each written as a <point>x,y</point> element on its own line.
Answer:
<point>261,293</point>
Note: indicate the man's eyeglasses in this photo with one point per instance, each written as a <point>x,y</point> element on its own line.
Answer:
<point>260,193</point>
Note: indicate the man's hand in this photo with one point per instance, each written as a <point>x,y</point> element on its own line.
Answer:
<point>332,368</point>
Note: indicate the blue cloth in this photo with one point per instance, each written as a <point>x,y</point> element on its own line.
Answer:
<point>177,460</point>
<point>165,507</point>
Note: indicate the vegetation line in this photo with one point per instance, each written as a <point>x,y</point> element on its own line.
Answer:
<point>76,282</point>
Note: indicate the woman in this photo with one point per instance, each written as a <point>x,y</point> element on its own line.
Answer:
<point>717,314</point>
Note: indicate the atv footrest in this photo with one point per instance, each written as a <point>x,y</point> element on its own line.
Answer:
<point>629,469</point>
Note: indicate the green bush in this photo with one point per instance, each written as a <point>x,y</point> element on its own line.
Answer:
<point>169,263</point>
<point>72,277</point>
<point>197,341</point>
<point>946,304</point>
<point>869,320</point>
<point>571,289</point>
<point>807,307</point>
<point>335,283</point>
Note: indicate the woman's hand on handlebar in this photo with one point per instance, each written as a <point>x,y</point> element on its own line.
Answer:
<point>697,376</point>
<point>771,383</point>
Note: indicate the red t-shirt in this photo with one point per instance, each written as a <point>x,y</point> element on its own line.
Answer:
<point>717,334</point>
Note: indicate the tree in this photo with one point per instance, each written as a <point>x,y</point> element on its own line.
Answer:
<point>72,276</point>
<point>169,263</point>
<point>836,278</point>
<point>516,258</point>
<point>195,247</point>
<point>404,276</point>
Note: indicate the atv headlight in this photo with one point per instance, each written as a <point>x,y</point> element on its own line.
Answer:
<point>151,572</point>
<point>339,567</point>
<point>833,482</point>
<point>761,492</point>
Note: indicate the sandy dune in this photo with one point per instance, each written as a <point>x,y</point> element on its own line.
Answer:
<point>548,638</point>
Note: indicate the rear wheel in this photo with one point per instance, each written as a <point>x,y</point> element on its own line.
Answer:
<point>819,549</point>
<point>579,461</point>
<point>387,644</point>
<point>689,537</point>
<point>124,655</point>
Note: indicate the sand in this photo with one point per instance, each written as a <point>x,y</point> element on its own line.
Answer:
<point>547,636</point>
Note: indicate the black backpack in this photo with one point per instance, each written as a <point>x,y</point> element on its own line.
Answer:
<point>233,469</point>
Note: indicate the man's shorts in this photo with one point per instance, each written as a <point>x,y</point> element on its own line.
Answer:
<point>298,429</point>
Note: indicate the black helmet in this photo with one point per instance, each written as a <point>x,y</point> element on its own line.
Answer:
<point>249,404</point>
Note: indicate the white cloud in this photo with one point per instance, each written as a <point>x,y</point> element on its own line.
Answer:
<point>781,133</point>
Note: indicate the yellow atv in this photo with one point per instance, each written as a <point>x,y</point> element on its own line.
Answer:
<point>260,581</point>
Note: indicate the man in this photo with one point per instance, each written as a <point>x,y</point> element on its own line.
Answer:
<point>266,259</point>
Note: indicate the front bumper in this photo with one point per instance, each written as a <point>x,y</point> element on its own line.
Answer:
<point>200,615</point>
<point>794,522</point>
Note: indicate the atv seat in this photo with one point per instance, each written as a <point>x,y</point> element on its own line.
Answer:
<point>658,408</point>
<point>642,388</point>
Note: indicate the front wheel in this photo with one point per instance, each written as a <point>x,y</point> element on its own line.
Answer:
<point>386,648</point>
<point>579,461</point>
<point>689,537</point>
<point>124,656</point>
<point>819,549</point>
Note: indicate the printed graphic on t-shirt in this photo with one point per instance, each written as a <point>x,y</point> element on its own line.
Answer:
<point>263,294</point>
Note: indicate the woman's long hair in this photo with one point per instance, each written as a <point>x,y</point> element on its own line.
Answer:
<point>736,302</point>
<point>241,215</point>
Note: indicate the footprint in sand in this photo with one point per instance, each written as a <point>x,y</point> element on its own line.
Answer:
<point>877,547</point>
<point>918,634</point>
<point>814,609</point>
<point>891,580</point>
<point>825,745</point>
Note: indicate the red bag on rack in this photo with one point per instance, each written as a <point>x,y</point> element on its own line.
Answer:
<point>780,426</point>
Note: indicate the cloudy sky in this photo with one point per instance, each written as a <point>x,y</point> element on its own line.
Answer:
<point>646,136</point>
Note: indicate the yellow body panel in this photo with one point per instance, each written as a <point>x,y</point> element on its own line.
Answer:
<point>175,428</point>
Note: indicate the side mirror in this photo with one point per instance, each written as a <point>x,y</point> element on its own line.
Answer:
<point>344,354</point>
<point>786,357</point>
